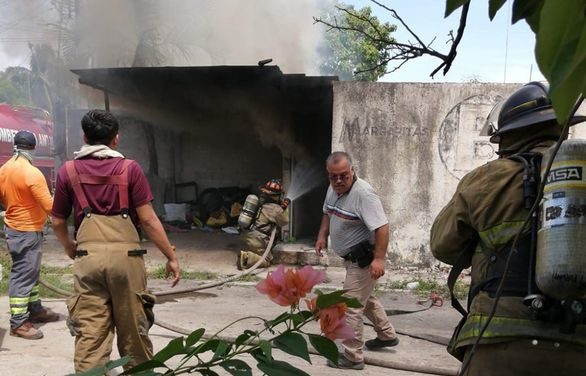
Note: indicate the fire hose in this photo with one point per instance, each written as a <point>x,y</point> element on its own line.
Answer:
<point>367,359</point>
<point>196,288</point>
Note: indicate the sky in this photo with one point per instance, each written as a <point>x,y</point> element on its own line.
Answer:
<point>489,52</point>
<point>482,53</point>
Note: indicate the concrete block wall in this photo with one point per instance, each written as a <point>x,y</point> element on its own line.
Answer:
<point>413,142</point>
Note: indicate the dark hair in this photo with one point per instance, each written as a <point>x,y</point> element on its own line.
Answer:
<point>99,127</point>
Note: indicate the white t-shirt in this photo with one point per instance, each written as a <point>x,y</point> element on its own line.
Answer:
<point>353,216</point>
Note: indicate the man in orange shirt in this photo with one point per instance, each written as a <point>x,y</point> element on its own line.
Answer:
<point>25,195</point>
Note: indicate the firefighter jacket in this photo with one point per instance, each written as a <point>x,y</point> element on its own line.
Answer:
<point>488,202</point>
<point>271,213</point>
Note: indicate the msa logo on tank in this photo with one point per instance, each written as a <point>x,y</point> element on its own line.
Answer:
<point>565,174</point>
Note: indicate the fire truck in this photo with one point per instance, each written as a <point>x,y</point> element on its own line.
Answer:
<point>18,118</point>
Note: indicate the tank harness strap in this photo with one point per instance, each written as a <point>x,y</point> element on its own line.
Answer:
<point>463,262</point>
<point>519,280</point>
<point>121,180</point>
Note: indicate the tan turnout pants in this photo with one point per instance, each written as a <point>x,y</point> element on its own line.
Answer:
<point>527,357</point>
<point>110,294</point>
<point>360,286</point>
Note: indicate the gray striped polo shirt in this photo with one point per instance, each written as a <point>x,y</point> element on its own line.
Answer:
<point>353,216</point>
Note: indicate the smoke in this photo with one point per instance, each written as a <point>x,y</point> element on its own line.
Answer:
<point>23,23</point>
<point>116,33</point>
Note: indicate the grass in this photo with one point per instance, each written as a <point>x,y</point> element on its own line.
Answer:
<point>159,273</point>
<point>248,278</point>
<point>59,277</point>
<point>426,286</point>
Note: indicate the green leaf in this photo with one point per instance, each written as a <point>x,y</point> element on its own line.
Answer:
<point>301,317</point>
<point>236,367</point>
<point>561,52</point>
<point>117,363</point>
<point>148,365</point>
<point>325,347</point>
<point>221,350</point>
<point>147,373</point>
<point>293,344</point>
<point>99,371</point>
<point>194,337</point>
<point>207,372</point>
<point>279,368</point>
<point>174,347</point>
<point>266,348</point>
<point>242,338</point>
<point>525,9</point>
<point>452,5</point>
<point>211,344</point>
<point>327,300</point>
<point>280,319</point>
<point>494,6</point>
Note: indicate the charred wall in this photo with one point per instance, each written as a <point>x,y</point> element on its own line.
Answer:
<point>218,126</point>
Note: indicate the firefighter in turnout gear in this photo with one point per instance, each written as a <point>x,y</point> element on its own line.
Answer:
<point>477,227</point>
<point>25,195</point>
<point>272,212</point>
<point>110,196</point>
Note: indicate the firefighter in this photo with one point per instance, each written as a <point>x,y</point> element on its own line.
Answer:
<point>110,196</point>
<point>25,195</point>
<point>272,212</point>
<point>477,227</point>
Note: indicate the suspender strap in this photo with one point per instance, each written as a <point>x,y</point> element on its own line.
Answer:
<point>123,188</point>
<point>120,180</point>
<point>76,184</point>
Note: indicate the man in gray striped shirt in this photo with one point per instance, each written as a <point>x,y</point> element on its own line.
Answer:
<point>359,231</point>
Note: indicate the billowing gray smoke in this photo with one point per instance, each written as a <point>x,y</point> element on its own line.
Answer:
<point>116,33</point>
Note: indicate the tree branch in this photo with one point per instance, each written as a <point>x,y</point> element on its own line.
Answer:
<point>397,51</point>
<point>447,63</point>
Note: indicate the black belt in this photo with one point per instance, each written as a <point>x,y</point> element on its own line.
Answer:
<point>133,252</point>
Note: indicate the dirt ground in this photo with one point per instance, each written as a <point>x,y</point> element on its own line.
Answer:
<point>214,308</point>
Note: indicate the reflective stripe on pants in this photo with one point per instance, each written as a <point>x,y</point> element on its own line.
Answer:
<point>23,291</point>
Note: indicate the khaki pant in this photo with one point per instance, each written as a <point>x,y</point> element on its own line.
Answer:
<point>257,243</point>
<point>527,358</point>
<point>360,286</point>
<point>110,294</point>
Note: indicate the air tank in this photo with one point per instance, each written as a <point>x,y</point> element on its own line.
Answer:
<point>560,268</point>
<point>248,212</point>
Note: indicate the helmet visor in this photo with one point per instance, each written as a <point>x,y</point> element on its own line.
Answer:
<point>491,124</point>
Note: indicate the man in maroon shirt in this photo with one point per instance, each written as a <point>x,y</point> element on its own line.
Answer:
<point>110,197</point>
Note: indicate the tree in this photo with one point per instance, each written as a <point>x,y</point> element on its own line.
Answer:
<point>351,55</point>
<point>391,49</point>
<point>560,48</point>
<point>11,90</point>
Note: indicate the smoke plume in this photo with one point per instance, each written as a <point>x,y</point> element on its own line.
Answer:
<point>118,33</point>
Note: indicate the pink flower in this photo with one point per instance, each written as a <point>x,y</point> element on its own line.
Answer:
<point>332,321</point>
<point>286,288</point>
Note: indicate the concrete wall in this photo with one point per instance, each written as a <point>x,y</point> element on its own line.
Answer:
<point>413,142</point>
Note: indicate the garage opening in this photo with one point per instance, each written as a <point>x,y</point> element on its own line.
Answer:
<point>197,130</point>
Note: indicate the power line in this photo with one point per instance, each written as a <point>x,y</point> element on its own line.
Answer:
<point>507,40</point>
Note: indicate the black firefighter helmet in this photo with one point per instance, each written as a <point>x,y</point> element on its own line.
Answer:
<point>25,140</point>
<point>529,106</point>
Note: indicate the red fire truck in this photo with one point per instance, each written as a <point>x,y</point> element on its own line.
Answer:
<point>37,121</point>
